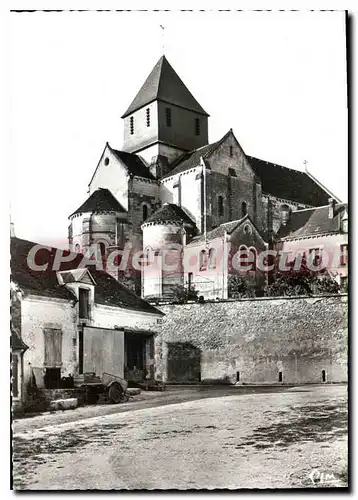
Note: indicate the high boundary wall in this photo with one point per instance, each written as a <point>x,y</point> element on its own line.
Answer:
<point>258,341</point>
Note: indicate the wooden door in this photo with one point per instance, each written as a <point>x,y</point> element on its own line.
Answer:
<point>103,351</point>
<point>53,348</point>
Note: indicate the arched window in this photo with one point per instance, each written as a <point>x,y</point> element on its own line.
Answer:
<point>243,258</point>
<point>148,256</point>
<point>202,260</point>
<point>212,258</point>
<point>102,250</point>
<point>243,209</point>
<point>253,258</point>
<point>220,206</point>
<point>78,248</point>
<point>145,212</point>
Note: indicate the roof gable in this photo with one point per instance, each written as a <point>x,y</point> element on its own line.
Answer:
<point>81,275</point>
<point>192,158</point>
<point>226,228</point>
<point>100,200</point>
<point>164,84</point>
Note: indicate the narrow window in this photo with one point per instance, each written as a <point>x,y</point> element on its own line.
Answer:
<point>212,258</point>
<point>344,284</point>
<point>344,255</point>
<point>232,172</point>
<point>145,212</point>
<point>148,117</point>
<point>83,299</point>
<point>220,206</point>
<point>323,375</point>
<point>85,225</point>
<point>106,161</point>
<point>15,380</point>
<point>190,280</point>
<point>202,260</point>
<point>102,250</point>
<point>168,114</point>
<point>314,255</point>
<point>280,376</point>
<point>197,126</point>
<point>131,124</point>
<point>243,209</point>
<point>231,151</point>
<point>237,376</point>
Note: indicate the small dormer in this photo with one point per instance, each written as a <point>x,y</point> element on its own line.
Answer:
<point>82,284</point>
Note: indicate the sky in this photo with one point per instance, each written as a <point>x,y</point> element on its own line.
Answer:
<point>278,79</point>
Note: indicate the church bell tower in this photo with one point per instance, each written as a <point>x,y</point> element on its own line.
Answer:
<point>164,120</point>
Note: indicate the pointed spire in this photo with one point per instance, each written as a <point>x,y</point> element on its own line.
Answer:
<point>163,84</point>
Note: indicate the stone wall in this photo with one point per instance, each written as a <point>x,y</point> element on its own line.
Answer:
<point>254,341</point>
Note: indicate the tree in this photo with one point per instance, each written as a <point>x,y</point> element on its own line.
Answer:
<point>302,281</point>
<point>181,294</point>
<point>240,287</point>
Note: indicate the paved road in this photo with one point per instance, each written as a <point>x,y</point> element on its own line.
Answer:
<point>293,438</point>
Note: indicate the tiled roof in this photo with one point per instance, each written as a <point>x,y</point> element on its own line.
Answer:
<point>170,212</point>
<point>133,163</point>
<point>164,84</point>
<point>100,200</point>
<point>108,290</point>
<point>287,183</point>
<point>218,232</point>
<point>190,160</point>
<point>311,222</point>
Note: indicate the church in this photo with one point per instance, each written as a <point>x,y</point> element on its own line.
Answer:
<point>183,202</point>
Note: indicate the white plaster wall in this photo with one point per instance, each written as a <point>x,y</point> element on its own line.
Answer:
<point>190,193</point>
<point>112,176</point>
<point>38,313</point>
<point>112,317</point>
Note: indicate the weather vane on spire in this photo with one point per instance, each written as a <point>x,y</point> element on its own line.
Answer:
<point>163,36</point>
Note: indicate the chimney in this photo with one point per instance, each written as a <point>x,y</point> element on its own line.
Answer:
<point>12,230</point>
<point>332,204</point>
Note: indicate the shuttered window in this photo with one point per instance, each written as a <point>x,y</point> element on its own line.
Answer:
<point>53,347</point>
<point>83,303</point>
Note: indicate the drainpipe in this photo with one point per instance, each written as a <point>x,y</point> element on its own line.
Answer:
<point>202,163</point>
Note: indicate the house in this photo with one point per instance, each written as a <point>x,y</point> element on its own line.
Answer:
<point>320,233</point>
<point>70,319</point>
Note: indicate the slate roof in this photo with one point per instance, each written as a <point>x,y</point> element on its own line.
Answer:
<point>108,291</point>
<point>219,232</point>
<point>279,181</point>
<point>311,222</point>
<point>170,212</point>
<point>134,163</point>
<point>190,160</point>
<point>164,84</point>
<point>100,200</point>
<point>287,183</point>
